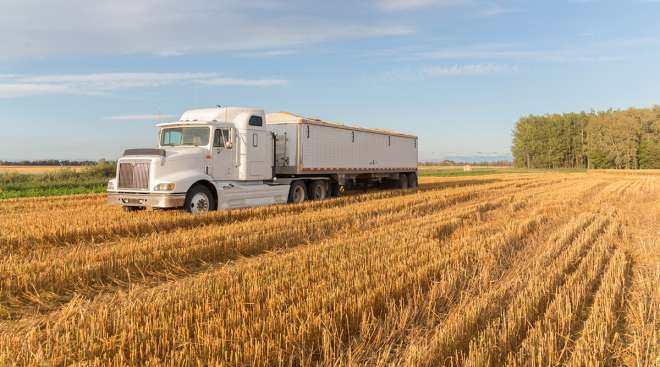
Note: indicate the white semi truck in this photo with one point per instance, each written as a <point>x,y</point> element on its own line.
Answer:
<point>233,157</point>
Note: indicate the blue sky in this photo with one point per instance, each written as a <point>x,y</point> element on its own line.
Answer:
<point>85,80</point>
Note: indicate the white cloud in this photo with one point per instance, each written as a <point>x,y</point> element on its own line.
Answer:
<point>266,53</point>
<point>246,82</point>
<point>494,9</point>
<point>11,90</point>
<point>478,8</point>
<point>480,52</point>
<point>106,83</point>
<point>467,69</point>
<point>608,50</point>
<point>116,77</point>
<point>416,4</point>
<point>146,117</point>
<point>36,28</point>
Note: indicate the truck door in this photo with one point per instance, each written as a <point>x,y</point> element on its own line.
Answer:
<point>223,154</point>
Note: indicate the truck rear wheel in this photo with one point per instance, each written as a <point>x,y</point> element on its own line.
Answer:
<point>403,181</point>
<point>318,190</point>
<point>297,192</point>
<point>199,200</point>
<point>412,180</point>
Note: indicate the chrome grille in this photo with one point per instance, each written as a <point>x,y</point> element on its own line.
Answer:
<point>134,175</point>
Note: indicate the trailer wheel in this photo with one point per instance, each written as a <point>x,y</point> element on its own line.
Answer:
<point>297,192</point>
<point>199,200</point>
<point>412,180</point>
<point>403,181</point>
<point>318,190</point>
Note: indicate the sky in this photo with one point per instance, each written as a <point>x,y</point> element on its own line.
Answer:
<point>87,79</point>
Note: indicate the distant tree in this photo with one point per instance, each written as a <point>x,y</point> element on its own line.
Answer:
<point>599,159</point>
<point>48,162</point>
<point>649,146</point>
<point>649,153</point>
<point>550,141</point>
<point>524,140</point>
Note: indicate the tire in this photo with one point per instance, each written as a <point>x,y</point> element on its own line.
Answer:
<point>403,181</point>
<point>412,180</point>
<point>199,200</point>
<point>297,192</point>
<point>318,190</point>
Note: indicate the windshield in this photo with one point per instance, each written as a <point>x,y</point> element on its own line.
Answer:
<point>190,136</point>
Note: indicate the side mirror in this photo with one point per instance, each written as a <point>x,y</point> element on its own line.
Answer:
<point>228,145</point>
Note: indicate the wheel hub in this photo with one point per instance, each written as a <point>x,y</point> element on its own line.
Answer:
<point>200,203</point>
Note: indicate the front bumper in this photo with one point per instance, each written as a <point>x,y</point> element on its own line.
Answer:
<point>146,200</point>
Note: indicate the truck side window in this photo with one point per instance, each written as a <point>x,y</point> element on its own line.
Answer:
<point>255,121</point>
<point>220,138</point>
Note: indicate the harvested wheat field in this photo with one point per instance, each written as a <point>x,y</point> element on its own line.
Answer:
<point>37,169</point>
<point>528,270</point>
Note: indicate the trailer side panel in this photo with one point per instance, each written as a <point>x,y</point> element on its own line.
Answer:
<point>304,148</point>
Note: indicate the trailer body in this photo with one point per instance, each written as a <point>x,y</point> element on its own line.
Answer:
<point>305,146</point>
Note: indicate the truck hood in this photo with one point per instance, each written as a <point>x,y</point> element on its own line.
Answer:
<point>170,154</point>
<point>185,153</point>
<point>189,161</point>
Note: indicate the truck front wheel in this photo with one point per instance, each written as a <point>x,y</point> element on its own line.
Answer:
<point>199,200</point>
<point>297,192</point>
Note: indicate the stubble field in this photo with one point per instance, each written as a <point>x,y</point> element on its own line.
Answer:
<point>37,169</point>
<point>520,270</point>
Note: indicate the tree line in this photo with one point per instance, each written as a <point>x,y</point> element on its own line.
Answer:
<point>622,139</point>
<point>448,162</point>
<point>48,162</point>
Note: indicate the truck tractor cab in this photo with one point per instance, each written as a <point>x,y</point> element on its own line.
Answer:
<point>210,158</point>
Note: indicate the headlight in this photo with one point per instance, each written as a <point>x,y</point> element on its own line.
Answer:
<point>165,187</point>
<point>111,185</point>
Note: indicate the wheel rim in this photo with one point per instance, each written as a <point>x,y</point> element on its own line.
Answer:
<point>298,194</point>
<point>199,203</point>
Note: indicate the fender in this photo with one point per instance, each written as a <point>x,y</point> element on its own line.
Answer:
<point>184,180</point>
